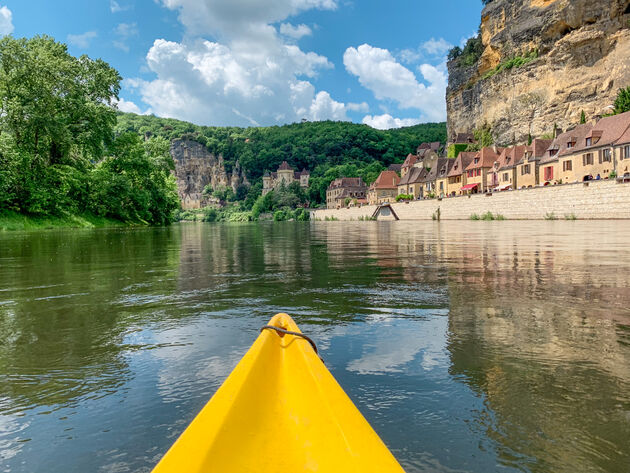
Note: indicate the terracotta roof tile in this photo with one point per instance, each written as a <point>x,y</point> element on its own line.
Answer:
<point>608,130</point>
<point>560,143</point>
<point>386,180</point>
<point>284,166</point>
<point>485,157</point>
<point>462,161</point>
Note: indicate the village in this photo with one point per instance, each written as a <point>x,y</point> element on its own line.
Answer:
<point>599,150</point>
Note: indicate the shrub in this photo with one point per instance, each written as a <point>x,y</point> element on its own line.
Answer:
<point>612,175</point>
<point>210,214</point>
<point>550,216</point>
<point>400,197</point>
<point>570,217</point>
<point>475,217</point>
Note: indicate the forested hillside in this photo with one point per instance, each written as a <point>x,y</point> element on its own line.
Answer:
<point>328,149</point>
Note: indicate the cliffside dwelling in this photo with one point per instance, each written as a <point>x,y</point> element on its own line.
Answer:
<point>196,168</point>
<point>477,171</point>
<point>346,191</point>
<point>384,188</point>
<point>284,175</point>
<point>457,176</point>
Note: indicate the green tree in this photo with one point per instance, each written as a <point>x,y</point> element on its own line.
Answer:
<point>622,102</point>
<point>582,118</point>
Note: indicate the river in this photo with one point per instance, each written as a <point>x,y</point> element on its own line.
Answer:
<point>469,346</point>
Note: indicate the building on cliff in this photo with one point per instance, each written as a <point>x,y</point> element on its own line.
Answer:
<point>285,175</point>
<point>196,167</point>
<point>352,188</point>
<point>541,62</point>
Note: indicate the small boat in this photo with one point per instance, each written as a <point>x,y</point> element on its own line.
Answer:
<point>279,411</point>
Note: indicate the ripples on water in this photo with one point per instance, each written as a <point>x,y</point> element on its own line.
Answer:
<point>469,346</point>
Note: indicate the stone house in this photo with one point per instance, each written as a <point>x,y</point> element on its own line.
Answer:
<point>593,156</point>
<point>339,190</point>
<point>554,165</point>
<point>457,175</point>
<point>503,174</point>
<point>409,163</point>
<point>412,182</point>
<point>477,171</point>
<point>622,154</point>
<point>284,175</point>
<point>528,166</point>
<point>443,167</point>
<point>384,188</point>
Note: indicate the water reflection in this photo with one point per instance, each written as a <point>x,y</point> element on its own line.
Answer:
<point>470,346</point>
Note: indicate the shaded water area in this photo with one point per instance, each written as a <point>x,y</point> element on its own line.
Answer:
<point>469,346</point>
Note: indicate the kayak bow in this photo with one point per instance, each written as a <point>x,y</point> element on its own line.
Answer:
<point>280,410</point>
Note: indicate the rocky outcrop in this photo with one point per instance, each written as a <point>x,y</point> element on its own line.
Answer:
<point>582,49</point>
<point>196,167</point>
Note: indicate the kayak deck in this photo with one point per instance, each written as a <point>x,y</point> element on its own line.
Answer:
<point>280,410</point>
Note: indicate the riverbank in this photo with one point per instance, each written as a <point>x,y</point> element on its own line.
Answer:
<point>594,200</point>
<point>14,221</point>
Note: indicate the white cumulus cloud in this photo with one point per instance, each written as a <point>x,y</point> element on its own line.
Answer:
<point>6,21</point>
<point>82,40</point>
<point>116,7</point>
<point>436,47</point>
<point>124,32</point>
<point>378,71</point>
<point>386,121</point>
<point>128,106</point>
<point>247,75</point>
<point>295,32</point>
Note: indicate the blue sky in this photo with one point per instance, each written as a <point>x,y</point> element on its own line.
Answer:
<point>264,62</point>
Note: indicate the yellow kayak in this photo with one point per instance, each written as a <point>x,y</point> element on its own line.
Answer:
<point>279,411</point>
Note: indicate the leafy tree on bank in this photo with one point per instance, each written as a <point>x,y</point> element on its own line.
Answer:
<point>57,149</point>
<point>622,102</point>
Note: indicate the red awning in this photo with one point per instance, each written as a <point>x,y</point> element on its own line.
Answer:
<point>469,187</point>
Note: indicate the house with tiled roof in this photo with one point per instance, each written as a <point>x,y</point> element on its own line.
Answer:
<point>503,174</point>
<point>556,164</point>
<point>527,168</point>
<point>409,163</point>
<point>457,174</point>
<point>285,175</point>
<point>622,155</point>
<point>412,182</point>
<point>346,189</point>
<point>477,171</point>
<point>384,188</point>
<point>443,167</point>
<point>592,156</point>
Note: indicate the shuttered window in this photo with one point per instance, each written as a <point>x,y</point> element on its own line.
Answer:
<point>606,156</point>
<point>626,152</point>
<point>587,159</point>
<point>548,173</point>
<point>567,165</point>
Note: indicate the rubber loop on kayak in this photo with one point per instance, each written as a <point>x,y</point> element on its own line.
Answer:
<point>296,334</point>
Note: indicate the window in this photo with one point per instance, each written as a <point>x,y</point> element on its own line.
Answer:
<point>506,176</point>
<point>525,169</point>
<point>507,160</point>
<point>589,141</point>
<point>441,185</point>
<point>476,160</point>
<point>548,173</point>
<point>626,152</point>
<point>478,172</point>
<point>606,156</point>
<point>553,152</point>
<point>587,159</point>
<point>567,165</point>
<point>470,173</point>
<point>570,144</point>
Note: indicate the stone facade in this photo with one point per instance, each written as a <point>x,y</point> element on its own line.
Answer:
<point>582,47</point>
<point>606,199</point>
<point>284,175</point>
<point>339,190</point>
<point>196,167</point>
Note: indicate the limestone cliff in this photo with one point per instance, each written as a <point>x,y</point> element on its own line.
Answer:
<point>582,58</point>
<point>196,167</point>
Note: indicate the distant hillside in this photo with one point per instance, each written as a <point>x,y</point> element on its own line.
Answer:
<point>304,145</point>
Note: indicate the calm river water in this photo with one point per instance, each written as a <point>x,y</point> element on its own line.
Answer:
<point>469,346</point>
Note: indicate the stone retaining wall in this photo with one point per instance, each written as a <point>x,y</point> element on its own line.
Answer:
<point>593,200</point>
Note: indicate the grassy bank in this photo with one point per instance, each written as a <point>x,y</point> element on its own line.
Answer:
<point>12,221</point>
<point>235,214</point>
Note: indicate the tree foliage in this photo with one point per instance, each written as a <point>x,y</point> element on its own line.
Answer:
<point>622,102</point>
<point>57,148</point>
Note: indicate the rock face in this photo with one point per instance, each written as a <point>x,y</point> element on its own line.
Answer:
<point>583,49</point>
<point>196,167</point>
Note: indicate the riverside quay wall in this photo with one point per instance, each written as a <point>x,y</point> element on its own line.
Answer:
<point>606,199</point>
